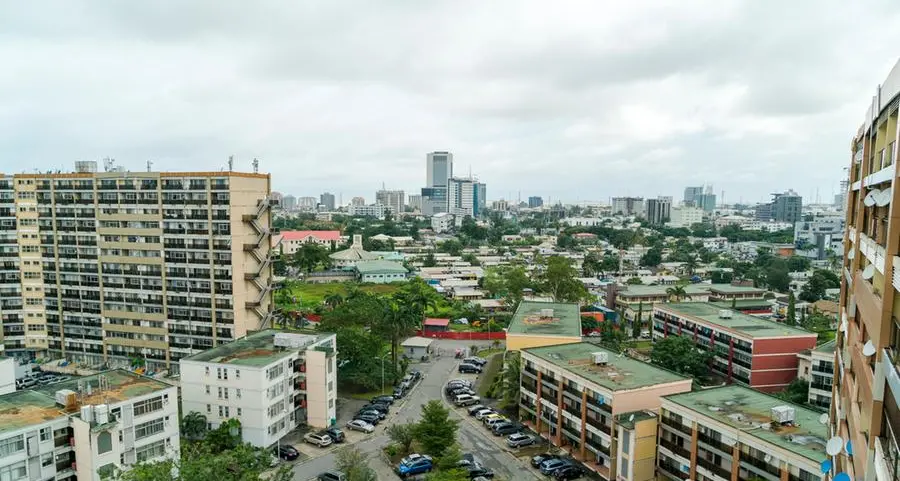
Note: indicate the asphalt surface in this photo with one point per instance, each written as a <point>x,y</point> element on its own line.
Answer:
<point>472,437</point>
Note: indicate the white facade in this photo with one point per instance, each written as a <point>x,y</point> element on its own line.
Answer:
<point>271,389</point>
<point>767,226</point>
<point>685,216</point>
<point>820,235</point>
<point>465,197</point>
<point>64,446</point>
<point>7,375</point>
<point>393,200</point>
<point>442,222</point>
<point>372,210</point>
<point>582,221</point>
<point>628,206</point>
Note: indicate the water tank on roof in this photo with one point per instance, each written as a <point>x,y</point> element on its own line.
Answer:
<point>87,413</point>
<point>101,413</point>
<point>783,414</point>
<point>600,358</point>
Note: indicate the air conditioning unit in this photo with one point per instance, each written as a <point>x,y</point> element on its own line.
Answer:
<point>600,358</point>
<point>783,414</point>
<point>725,314</point>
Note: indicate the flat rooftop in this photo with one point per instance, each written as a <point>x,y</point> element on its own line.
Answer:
<point>29,407</point>
<point>546,319</point>
<point>621,373</point>
<point>826,347</point>
<point>747,410</point>
<point>739,323</point>
<point>690,289</point>
<point>254,350</point>
<point>730,289</point>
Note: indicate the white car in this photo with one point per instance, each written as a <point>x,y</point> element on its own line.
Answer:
<point>484,412</point>
<point>320,440</point>
<point>360,425</point>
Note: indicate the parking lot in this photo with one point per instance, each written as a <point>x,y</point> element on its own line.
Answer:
<point>40,379</point>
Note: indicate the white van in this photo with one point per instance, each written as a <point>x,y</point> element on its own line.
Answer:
<point>466,400</point>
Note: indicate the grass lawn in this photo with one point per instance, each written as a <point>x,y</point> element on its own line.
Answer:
<point>641,345</point>
<point>494,365</point>
<point>312,295</point>
<point>486,353</point>
<point>365,396</point>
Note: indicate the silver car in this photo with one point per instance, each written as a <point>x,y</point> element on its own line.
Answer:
<point>518,440</point>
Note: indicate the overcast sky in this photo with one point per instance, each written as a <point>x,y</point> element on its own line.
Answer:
<point>571,100</point>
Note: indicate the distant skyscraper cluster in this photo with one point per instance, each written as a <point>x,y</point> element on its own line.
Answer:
<point>702,197</point>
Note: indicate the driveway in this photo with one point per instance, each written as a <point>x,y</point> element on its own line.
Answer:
<point>472,437</point>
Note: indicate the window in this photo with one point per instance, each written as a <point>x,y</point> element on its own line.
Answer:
<point>221,412</point>
<point>209,409</point>
<point>623,467</point>
<point>207,389</point>
<point>207,370</point>
<point>238,393</point>
<point>46,460</point>
<point>237,373</point>
<point>148,406</point>
<point>330,365</point>
<point>46,434</point>
<point>274,372</point>
<point>331,403</point>
<point>218,373</point>
<point>14,472</point>
<point>626,441</point>
<point>148,428</point>
<point>150,451</point>
<point>239,411</point>
<point>12,445</point>
<point>227,412</point>
<point>104,442</point>
<point>220,392</point>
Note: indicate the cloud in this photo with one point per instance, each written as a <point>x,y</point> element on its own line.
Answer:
<point>584,100</point>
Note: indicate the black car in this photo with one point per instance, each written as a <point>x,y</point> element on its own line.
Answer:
<point>336,434</point>
<point>399,393</point>
<point>461,390</point>
<point>383,400</point>
<point>287,452</point>
<point>505,428</point>
<point>382,408</point>
<point>416,375</point>
<point>475,470</point>
<point>568,472</point>
<point>474,409</point>
<point>372,412</point>
<point>470,368</point>
<point>454,386</point>
<point>540,458</point>
<point>369,418</point>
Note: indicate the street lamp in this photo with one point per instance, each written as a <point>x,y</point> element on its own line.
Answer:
<point>382,370</point>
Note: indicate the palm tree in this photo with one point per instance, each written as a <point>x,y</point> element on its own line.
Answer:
<point>509,379</point>
<point>691,264</point>
<point>398,322</point>
<point>677,292</point>
<point>334,300</point>
<point>193,426</point>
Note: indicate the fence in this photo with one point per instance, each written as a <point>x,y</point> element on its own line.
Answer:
<point>464,336</point>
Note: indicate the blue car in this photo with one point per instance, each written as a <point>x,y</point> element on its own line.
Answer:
<point>550,466</point>
<point>414,464</point>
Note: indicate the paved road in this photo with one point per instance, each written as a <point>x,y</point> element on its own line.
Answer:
<point>472,438</point>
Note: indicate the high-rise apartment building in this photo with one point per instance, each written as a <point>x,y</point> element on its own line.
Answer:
<point>326,201</point>
<point>628,206</point>
<point>685,216</point>
<point>358,201</point>
<point>785,207</point>
<point>535,201</point>
<point>289,203</point>
<point>659,210</point>
<point>114,266</point>
<point>414,201</point>
<point>865,409</point>
<point>393,200</point>
<point>438,171</point>
<point>307,204</point>
<point>466,197</point>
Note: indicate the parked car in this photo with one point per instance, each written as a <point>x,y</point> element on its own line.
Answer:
<point>518,440</point>
<point>551,465</point>
<point>383,400</point>
<point>568,472</point>
<point>399,393</point>
<point>382,408</point>
<point>480,415</point>
<point>414,464</point>
<point>474,409</point>
<point>371,411</point>
<point>466,400</point>
<point>318,439</point>
<point>360,425</point>
<point>462,390</point>
<point>335,434</point>
<point>492,418</point>
<point>287,452</point>
<point>454,385</point>
<point>332,476</point>
<point>416,374</point>
<point>475,470</point>
<point>469,368</point>
<point>501,429</point>
<point>540,458</point>
<point>478,361</point>
<point>369,418</point>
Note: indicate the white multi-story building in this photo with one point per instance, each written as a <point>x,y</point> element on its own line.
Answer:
<point>814,238</point>
<point>767,225</point>
<point>307,204</point>
<point>271,381</point>
<point>7,374</point>
<point>582,221</point>
<point>87,428</point>
<point>372,210</point>
<point>628,206</point>
<point>466,197</point>
<point>816,366</point>
<point>685,216</point>
<point>442,222</point>
<point>393,200</point>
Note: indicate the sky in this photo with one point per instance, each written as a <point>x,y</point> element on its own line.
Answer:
<point>570,100</point>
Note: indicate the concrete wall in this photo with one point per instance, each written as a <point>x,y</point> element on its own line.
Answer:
<point>515,342</point>
<point>7,375</point>
<point>321,381</point>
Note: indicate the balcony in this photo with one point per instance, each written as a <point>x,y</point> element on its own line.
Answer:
<point>677,426</point>
<point>675,449</point>
<point>674,471</point>
<point>760,465</point>
<point>714,468</point>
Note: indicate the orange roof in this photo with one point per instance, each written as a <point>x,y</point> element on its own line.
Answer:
<point>437,322</point>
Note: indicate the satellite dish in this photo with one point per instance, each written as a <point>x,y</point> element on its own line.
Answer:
<point>823,419</point>
<point>883,198</point>
<point>869,201</point>
<point>768,458</point>
<point>869,348</point>
<point>826,466</point>
<point>834,446</point>
<point>851,254</point>
<point>868,272</point>
<point>631,418</point>
<point>844,327</point>
<point>842,477</point>
<point>849,448</point>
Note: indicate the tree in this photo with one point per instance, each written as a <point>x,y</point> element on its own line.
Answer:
<point>798,264</point>
<point>612,336</point>
<point>560,280</point>
<point>681,355</point>
<point>818,283</point>
<point>634,281</point>
<point>226,436</point>
<point>796,392</point>
<point>609,263</point>
<point>310,256</point>
<point>791,310</point>
<point>402,435</point>
<point>397,321</point>
<point>429,260</point>
<point>588,323</point>
<point>435,431</point>
<point>451,246</point>
<point>448,468</point>
<point>353,463</point>
<point>591,265</point>
<point>777,277</point>
<point>333,300</point>
<point>360,354</point>
<point>637,322</point>
<point>677,292</point>
<point>652,258</point>
<point>194,426</point>
<point>417,294</point>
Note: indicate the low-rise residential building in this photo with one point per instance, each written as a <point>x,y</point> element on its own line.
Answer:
<point>87,428</point>
<point>685,216</point>
<point>372,210</point>
<point>442,222</point>
<point>640,299</point>
<point>582,221</point>
<point>816,366</point>
<point>348,258</point>
<point>381,271</point>
<point>734,433</point>
<point>757,352</point>
<point>543,324</point>
<point>572,395</point>
<point>289,241</point>
<point>271,381</point>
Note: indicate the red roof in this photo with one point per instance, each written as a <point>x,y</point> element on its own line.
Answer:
<point>437,322</point>
<point>302,235</point>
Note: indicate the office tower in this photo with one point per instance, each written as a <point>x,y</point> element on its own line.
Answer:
<point>691,194</point>
<point>865,407</point>
<point>706,200</point>
<point>628,206</point>
<point>114,266</point>
<point>438,171</point>
<point>415,202</point>
<point>840,199</point>
<point>659,210</point>
<point>358,201</point>
<point>393,200</point>
<point>289,203</point>
<point>785,207</point>
<point>326,201</point>
<point>535,201</point>
<point>465,197</point>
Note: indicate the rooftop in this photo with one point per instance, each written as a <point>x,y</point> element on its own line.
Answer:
<point>417,341</point>
<point>619,374</point>
<point>29,407</point>
<point>690,289</point>
<point>748,411</point>
<point>826,347</point>
<point>730,289</point>
<point>379,267</point>
<point>431,321</point>
<point>546,319</point>
<point>255,350</point>
<point>628,420</point>
<point>302,235</point>
<point>739,323</point>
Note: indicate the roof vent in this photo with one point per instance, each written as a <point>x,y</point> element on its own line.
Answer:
<point>546,313</point>
<point>600,358</point>
<point>783,414</point>
<point>725,314</point>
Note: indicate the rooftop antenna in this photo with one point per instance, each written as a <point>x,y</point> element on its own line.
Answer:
<point>255,165</point>
<point>149,166</point>
<point>230,163</point>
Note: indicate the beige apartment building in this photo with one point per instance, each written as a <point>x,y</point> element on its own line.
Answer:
<point>108,267</point>
<point>865,406</point>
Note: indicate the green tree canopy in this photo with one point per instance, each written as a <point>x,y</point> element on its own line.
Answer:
<point>679,354</point>
<point>560,280</point>
<point>354,464</point>
<point>435,431</point>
